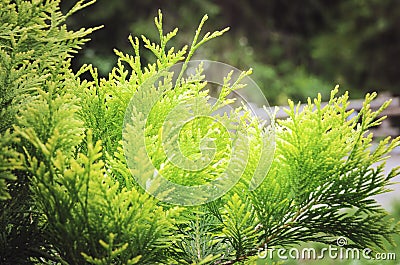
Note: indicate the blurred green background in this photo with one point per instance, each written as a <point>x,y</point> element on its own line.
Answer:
<point>296,48</point>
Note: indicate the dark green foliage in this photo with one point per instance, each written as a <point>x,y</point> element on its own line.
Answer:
<point>9,161</point>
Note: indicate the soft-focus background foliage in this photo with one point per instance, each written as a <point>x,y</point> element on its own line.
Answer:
<point>296,48</point>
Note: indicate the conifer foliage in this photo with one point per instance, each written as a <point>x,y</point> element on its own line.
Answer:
<point>69,197</point>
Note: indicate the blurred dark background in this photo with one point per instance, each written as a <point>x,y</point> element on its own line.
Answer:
<point>296,48</point>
